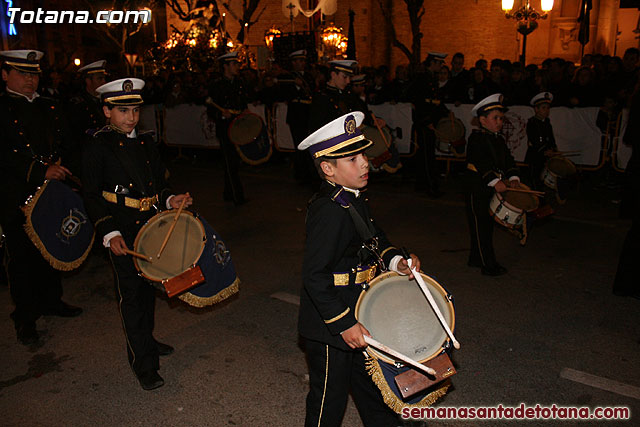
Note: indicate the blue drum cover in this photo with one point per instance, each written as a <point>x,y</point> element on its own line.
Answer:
<point>257,151</point>
<point>58,225</point>
<point>221,280</point>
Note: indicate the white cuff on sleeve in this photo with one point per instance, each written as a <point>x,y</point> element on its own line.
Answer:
<point>493,182</point>
<point>107,238</point>
<point>393,264</point>
<point>168,200</point>
<point>514,178</point>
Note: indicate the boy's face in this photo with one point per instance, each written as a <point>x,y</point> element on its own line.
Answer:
<point>21,82</point>
<point>492,121</point>
<point>351,172</point>
<point>124,117</point>
<point>340,80</point>
<point>542,110</point>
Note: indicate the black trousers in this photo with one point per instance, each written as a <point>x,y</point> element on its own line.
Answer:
<point>233,190</point>
<point>332,373</point>
<point>426,164</point>
<point>626,281</point>
<point>303,169</point>
<point>136,301</point>
<point>35,286</point>
<point>480,229</point>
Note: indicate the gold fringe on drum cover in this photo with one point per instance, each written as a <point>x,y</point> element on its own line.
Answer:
<point>200,302</point>
<point>390,398</point>
<point>35,239</point>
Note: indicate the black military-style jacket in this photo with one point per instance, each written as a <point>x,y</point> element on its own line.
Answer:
<point>332,246</point>
<point>86,114</point>
<point>31,134</point>
<point>331,104</point>
<point>298,99</point>
<point>230,94</point>
<point>429,108</point>
<point>540,138</point>
<point>488,158</point>
<point>130,167</point>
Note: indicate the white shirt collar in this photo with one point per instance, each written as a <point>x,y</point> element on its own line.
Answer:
<point>35,95</point>
<point>133,134</point>
<point>351,190</point>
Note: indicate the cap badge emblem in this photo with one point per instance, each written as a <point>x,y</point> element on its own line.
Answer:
<point>127,86</point>
<point>350,125</point>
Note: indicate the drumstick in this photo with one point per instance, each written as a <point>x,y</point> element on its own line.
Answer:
<point>138,255</point>
<point>173,225</point>
<point>384,138</point>
<point>524,190</point>
<point>376,344</point>
<point>210,101</point>
<point>567,152</point>
<point>423,286</point>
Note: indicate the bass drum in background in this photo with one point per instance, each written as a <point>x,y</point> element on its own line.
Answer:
<point>249,135</point>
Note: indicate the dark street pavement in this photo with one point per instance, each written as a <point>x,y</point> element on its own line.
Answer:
<point>239,363</point>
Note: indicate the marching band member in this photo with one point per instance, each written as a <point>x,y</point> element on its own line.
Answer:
<point>542,143</point>
<point>34,134</point>
<point>124,180</point>
<point>335,270</point>
<point>86,108</point>
<point>230,98</point>
<point>490,168</point>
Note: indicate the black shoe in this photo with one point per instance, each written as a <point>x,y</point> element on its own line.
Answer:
<point>164,349</point>
<point>494,270</point>
<point>27,333</point>
<point>474,264</point>
<point>63,310</point>
<point>150,380</point>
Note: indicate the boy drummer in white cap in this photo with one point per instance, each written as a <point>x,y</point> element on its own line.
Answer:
<point>336,269</point>
<point>490,169</point>
<point>124,180</point>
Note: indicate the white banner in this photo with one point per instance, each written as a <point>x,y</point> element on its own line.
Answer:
<point>189,125</point>
<point>282,133</point>
<point>573,128</point>
<point>622,152</point>
<point>398,118</point>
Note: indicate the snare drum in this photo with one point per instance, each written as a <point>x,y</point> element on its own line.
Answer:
<point>556,168</point>
<point>396,313</point>
<point>450,134</point>
<point>195,263</point>
<point>378,153</point>
<point>509,208</point>
<point>249,135</point>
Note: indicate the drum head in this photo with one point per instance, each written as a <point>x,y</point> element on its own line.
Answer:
<point>245,128</point>
<point>450,130</point>
<point>526,202</point>
<point>561,166</point>
<point>183,248</point>
<point>397,314</point>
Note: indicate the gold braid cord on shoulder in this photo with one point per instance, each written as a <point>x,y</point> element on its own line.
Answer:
<point>33,236</point>
<point>200,302</point>
<point>390,398</point>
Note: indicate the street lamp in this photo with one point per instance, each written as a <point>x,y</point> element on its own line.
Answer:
<point>527,19</point>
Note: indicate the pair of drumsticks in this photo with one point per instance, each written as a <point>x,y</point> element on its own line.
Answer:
<point>406,359</point>
<point>166,237</point>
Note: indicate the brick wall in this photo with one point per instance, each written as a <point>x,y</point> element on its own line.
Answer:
<point>477,28</point>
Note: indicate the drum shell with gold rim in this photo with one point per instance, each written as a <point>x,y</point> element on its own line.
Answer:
<point>396,313</point>
<point>509,208</point>
<point>184,248</point>
<point>556,168</point>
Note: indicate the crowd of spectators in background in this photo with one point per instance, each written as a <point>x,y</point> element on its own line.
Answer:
<point>599,81</point>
